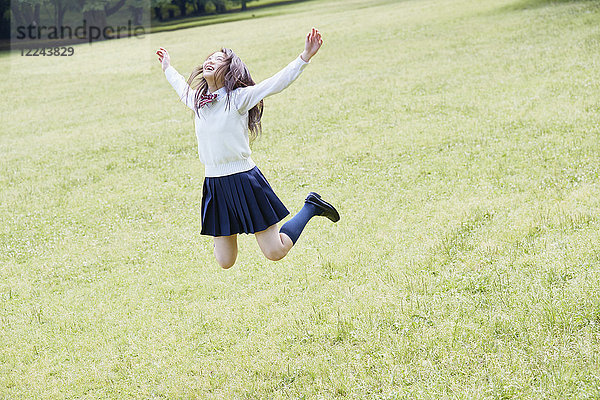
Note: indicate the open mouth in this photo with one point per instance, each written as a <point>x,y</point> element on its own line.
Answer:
<point>209,68</point>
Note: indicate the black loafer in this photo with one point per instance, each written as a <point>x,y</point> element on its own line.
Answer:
<point>328,210</point>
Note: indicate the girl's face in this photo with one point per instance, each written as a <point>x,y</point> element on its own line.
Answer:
<point>212,63</point>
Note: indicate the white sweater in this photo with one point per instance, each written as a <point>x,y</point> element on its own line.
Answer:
<point>222,132</point>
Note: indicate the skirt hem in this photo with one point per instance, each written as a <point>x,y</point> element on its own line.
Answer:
<point>243,202</point>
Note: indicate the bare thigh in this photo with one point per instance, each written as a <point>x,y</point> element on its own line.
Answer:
<point>274,245</point>
<point>226,250</point>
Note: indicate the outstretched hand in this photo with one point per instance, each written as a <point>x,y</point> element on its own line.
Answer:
<point>163,57</point>
<point>312,45</point>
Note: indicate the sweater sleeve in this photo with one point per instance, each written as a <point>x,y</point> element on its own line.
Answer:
<point>181,87</point>
<point>249,96</point>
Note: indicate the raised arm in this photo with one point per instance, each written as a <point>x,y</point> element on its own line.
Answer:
<point>312,44</point>
<point>175,79</point>
<point>248,97</point>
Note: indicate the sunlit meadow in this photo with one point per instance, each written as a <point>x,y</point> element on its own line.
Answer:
<point>458,139</point>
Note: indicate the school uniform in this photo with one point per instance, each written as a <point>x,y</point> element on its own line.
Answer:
<point>236,197</point>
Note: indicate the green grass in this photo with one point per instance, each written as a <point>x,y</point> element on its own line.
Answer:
<point>459,141</point>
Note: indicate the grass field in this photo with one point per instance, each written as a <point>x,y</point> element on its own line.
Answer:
<point>459,141</point>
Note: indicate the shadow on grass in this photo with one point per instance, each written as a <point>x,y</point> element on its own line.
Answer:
<point>531,4</point>
<point>229,16</point>
<point>238,15</point>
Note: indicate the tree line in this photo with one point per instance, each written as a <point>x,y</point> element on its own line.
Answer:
<point>169,9</point>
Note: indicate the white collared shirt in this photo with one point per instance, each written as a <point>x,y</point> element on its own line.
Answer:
<point>222,132</point>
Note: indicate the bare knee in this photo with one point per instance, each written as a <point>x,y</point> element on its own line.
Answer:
<point>272,243</point>
<point>226,261</point>
<point>225,250</point>
<point>226,265</point>
<point>275,254</point>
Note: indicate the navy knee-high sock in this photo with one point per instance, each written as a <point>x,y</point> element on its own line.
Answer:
<point>293,228</point>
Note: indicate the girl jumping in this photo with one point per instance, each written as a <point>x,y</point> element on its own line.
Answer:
<point>236,197</point>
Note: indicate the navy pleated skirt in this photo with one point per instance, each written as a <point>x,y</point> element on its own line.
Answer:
<point>239,203</point>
